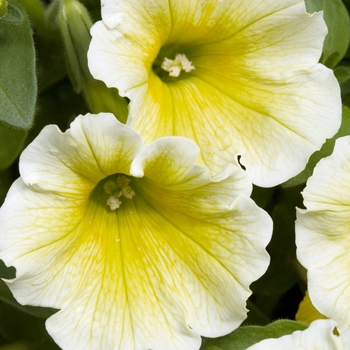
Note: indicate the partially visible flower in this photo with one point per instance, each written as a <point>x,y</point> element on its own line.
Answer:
<point>138,248</point>
<point>319,335</point>
<point>238,77</point>
<point>323,234</point>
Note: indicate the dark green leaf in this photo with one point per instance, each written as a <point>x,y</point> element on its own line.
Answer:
<point>255,316</point>
<point>18,87</point>
<point>22,329</point>
<point>50,51</point>
<point>36,13</point>
<point>57,105</point>
<point>11,142</point>
<point>6,179</point>
<point>282,272</point>
<point>51,61</point>
<point>262,196</point>
<point>7,272</point>
<point>21,345</point>
<point>15,325</point>
<point>13,15</point>
<point>244,337</point>
<point>342,74</point>
<point>337,20</point>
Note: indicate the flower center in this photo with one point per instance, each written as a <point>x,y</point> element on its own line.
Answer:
<point>174,67</point>
<point>117,188</point>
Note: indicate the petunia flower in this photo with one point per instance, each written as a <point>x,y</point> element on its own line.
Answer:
<point>319,335</point>
<point>322,234</point>
<point>137,246</point>
<point>240,77</point>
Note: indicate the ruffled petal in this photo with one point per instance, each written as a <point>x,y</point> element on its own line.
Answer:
<point>322,234</point>
<point>75,161</point>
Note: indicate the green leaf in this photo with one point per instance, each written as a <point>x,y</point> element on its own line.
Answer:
<point>244,337</point>
<point>20,345</point>
<point>6,272</point>
<point>17,325</point>
<point>36,13</point>
<point>6,179</point>
<point>21,329</point>
<point>262,196</point>
<point>50,51</point>
<point>18,86</point>
<point>50,111</point>
<point>342,74</point>
<point>51,61</point>
<point>325,151</point>
<point>337,20</point>
<point>13,15</point>
<point>255,316</point>
<point>11,142</point>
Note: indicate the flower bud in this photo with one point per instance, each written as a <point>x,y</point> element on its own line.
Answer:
<point>75,23</point>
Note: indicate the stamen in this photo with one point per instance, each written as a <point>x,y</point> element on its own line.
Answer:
<point>113,202</point>
<point>123,181</point>
<point>116,189</point>
<point>109,186</point>
<point>174,67</point>
<point>186,64</point>
<point>128,192</point>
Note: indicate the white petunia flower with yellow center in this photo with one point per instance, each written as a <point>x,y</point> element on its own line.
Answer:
<point>323,234</point>
<point>139,247</point>
<point>240,77</point>
<point>318,336</point>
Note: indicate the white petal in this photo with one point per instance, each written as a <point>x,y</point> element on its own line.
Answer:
<point>322,234</point>
<point>94,147</point>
